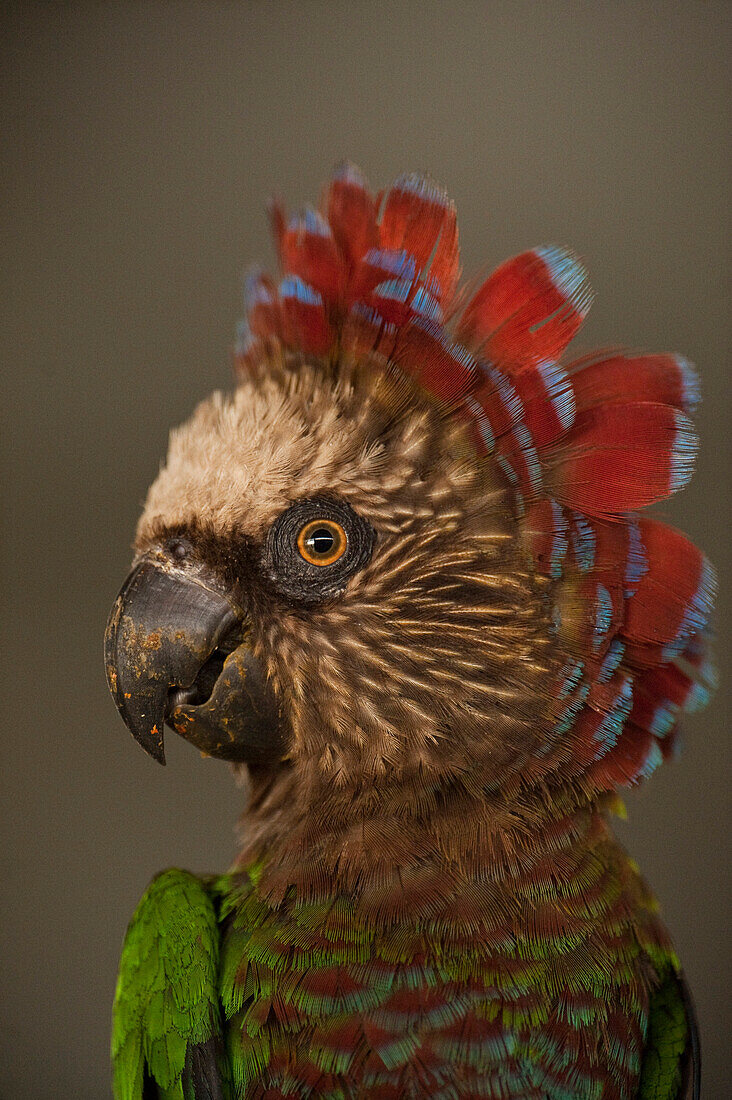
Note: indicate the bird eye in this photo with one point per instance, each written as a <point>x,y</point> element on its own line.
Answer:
<point>314,547</point>
<point>322,542</point>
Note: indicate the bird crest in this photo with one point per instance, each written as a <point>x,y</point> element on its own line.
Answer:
<point>583,445</point>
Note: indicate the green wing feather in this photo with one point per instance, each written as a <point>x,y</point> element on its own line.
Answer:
<point>167,1016</point>
<point>671,1060</point>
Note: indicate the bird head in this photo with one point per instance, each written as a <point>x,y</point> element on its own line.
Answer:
<point>404,552</point>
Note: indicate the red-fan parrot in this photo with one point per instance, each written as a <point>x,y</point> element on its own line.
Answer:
<point>402,580</point>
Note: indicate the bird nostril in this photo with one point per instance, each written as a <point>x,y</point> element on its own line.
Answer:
<point>179,549</point>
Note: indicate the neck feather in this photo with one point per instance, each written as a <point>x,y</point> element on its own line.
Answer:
<point>431,843</point>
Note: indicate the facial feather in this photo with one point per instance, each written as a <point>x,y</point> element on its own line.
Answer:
<point>434,665</point>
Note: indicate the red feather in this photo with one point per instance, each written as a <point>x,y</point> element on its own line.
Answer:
<point>351,211</point>
<point>673,600</point>
<point>444,369</point>
<point>277,224</point>
<point>264,314</point>
<point>596,729</point>
<point>303,317</point>
<point>619,457</point>
<point>612,550</point>
<point>529,309</point>
<point>309,250</point>
<point>634,757</point>
<point>548,399</point>
<point>660,697</point>
<point>590,612</point>
<point>379,266</point>
<point>419,217</point>
<point>546,532</point>
<point>663,379</point>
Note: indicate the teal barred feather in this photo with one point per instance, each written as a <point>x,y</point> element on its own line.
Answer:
<point>312,1000</point>
<point>316,993</point>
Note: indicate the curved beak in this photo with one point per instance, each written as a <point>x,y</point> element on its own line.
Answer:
<point>176,651</point>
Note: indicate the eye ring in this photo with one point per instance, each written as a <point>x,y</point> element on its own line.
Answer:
<point>310,579</point>
<point>322,542</point>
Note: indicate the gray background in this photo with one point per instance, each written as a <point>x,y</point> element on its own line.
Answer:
<point>140,144</point>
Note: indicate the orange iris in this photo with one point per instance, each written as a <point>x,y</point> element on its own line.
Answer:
<point>322,541</point>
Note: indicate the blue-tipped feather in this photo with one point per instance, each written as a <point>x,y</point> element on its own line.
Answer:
<point>244,340</point>
<point>425,188</point>
<point>697,613</point>
<point>570,678</point>
<point>692,388</point>
<point>483,423</point>
<point>309,220</point>
<point>683,454</point>
<point>509,398</point>
<point>583,541</point>
<point>292,286</point>
<point>395,261</point>
<point>560,540</point>
<point>568,715</point>
<point>426,305</point>
<point>603,617</point>
<point>559,390</point>
<point>612,724</point>
<point>568,275</point>
<point>637,565</point>
<point>611,661</point>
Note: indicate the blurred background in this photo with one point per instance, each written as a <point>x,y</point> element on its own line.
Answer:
<point>141,142</point>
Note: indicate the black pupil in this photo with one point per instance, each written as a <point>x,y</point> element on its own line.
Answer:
<point>321,541</point>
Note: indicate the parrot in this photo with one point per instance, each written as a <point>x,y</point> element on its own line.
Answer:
<point>402,578</point>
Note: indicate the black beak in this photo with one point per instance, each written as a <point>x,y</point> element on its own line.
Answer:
<point>176,651</point>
